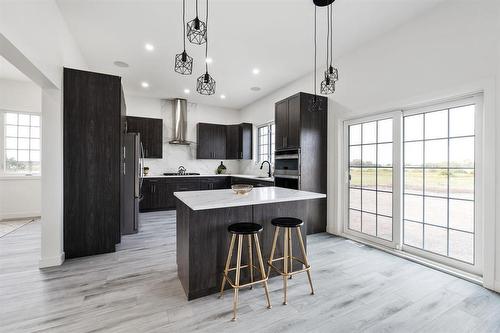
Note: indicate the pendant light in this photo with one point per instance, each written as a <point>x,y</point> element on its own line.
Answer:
<point>183,62</point>
<point>328,84</point>
<point>205,84</point>
<point>197,29</point>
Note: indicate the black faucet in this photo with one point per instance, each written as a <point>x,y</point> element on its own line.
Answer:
<point>269,170</point>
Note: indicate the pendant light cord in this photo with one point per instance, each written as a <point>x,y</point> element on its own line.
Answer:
<point>196,8</point>
<point>184,23</point>
<point>206,38</point>
<point>331,34</point>
<point>327,36</point>
<point>315,44</point>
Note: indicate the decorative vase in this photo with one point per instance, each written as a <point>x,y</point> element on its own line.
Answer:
<point>221,169</point>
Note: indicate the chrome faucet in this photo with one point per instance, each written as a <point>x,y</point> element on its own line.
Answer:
<point>181,170</point>
<point>269,165</point>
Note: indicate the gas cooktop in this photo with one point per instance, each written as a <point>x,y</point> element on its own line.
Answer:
<point>181,174</point>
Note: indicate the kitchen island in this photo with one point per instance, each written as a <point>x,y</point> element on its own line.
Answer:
<point>203,239</point>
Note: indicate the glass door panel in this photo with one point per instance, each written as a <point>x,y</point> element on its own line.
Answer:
<point>439,178</point>
<point>370,165</point>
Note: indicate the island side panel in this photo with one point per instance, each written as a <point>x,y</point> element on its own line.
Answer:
<point>182,243</point>
<point>208,247</point>
<point>316,216</point>
<point>263,214</point>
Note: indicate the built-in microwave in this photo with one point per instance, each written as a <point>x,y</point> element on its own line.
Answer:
<point>287,168</point>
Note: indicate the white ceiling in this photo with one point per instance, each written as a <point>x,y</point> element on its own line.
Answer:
<point>9,72</point>
<point>274,35</point>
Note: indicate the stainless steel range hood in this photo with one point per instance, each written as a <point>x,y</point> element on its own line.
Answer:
<point>179,114</point>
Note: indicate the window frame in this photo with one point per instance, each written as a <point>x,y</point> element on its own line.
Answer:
<point>476,269</point>
<point>271,135</point>
<point>4,172</point>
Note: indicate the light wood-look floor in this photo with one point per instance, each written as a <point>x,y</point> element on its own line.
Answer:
<point>136,290</point>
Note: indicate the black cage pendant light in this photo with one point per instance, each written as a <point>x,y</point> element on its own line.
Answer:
<point>328,84</point>
<point>205,84</point>
<point>197,29</point>
<point>183,62</point>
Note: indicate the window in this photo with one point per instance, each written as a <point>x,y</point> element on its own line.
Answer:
<point>266,142</point>
<point>21,142</point>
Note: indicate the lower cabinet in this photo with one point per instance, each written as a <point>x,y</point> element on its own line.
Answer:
<point>253,182</point>
<point>215,183</point>
<point>158,193</point>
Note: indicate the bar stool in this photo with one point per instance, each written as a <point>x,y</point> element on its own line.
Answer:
<point>288,223</point>
<point>241,230</point>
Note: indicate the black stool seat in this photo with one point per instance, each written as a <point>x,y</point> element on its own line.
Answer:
<point>287,222</point>
<point>244,228</point>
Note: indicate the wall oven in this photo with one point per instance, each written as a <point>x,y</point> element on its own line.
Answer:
<point>287,168</point>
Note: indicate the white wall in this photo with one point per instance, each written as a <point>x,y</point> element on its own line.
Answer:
<point>20,196</point>
<point>176,155</point>
<point>450,51</point>
<point>35,38</point>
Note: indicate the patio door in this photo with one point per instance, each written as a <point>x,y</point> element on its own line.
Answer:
<point>412,182</point>
<point>372,169</point>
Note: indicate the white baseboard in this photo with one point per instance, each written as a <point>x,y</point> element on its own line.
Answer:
<point>497,286</point>
<point>51,261</point>
<point>18,216</point>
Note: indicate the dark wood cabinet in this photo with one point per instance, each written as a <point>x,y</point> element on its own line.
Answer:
<point>245,141</point>
<point>287,120</point>
<point>233,142</point>
<point>281,123</point>
<point>239,141</point>
<point>230,142</point>
<point>151,131</point>
<point>253,182</point>
<point>211,141</point>
<point>304,133</point>
<point>92,132</point>
<point>214,183</point>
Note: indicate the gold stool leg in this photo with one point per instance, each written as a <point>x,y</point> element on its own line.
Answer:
<point>250,258</point>
<point>237,280</point>
<point>304,255</point>
<point>273,249</point>
<point>228,262</point>
<point>262,269</point>
<point>285,264</point>
<point>290,251</point>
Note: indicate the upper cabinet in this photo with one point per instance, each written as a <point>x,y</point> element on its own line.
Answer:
<point>224,141</point>
<point>211,141</point>
<point>239,141</point>
<point>151,131</point>
<point>287,120</point>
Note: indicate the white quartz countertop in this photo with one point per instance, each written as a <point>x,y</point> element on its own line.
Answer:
<point>268,179</point>
<point>212,199</point>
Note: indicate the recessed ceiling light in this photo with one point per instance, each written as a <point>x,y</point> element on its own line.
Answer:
<point>120,64</point>
<point>187,91</point>
<point>149,47</point>
<point>255,71</point>
<point>145,84</point>
<point>255,88</point>
<point>209,60</point>
<point>222,96</point>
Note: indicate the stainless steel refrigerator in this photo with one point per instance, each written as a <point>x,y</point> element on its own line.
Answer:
<point>131,183</point>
